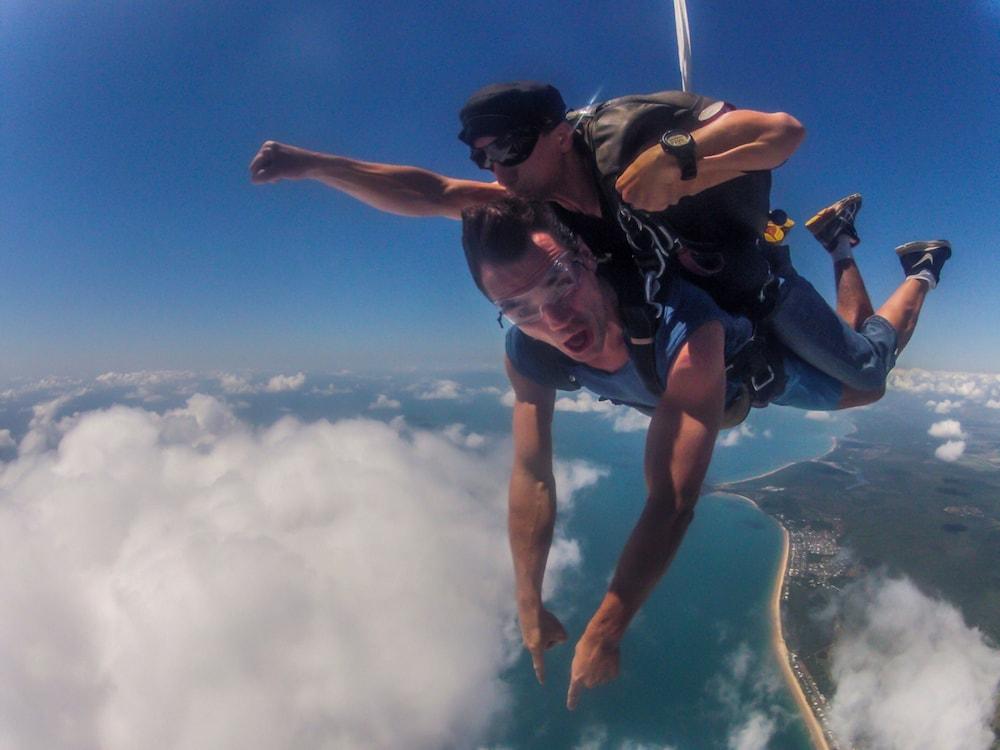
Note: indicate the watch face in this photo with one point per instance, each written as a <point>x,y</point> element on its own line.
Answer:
<point>678,140</point>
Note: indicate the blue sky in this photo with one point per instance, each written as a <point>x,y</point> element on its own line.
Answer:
<point>132,238</point>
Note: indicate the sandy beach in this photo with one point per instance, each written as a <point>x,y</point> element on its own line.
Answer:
<point>781,650</point>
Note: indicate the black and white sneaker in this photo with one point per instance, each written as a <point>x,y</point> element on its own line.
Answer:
<point>830,223</point>
<point>924,259</point>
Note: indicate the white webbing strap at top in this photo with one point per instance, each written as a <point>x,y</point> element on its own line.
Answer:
<point>683,42</point>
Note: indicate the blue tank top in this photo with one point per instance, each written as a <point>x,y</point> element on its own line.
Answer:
<point>686,309</point>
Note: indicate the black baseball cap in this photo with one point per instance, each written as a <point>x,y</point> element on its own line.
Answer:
<point>499,107</point>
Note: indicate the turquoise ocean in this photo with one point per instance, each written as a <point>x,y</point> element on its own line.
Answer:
<point>697,664</point>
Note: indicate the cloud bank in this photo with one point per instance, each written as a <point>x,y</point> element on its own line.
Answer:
<point>185,580</point>
<point>979,388</point>
<point>910,673</point>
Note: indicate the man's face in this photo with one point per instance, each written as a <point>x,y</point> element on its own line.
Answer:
<point>556,294</point>
<point>537,176</point>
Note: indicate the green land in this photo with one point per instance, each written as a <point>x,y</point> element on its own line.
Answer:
<point>881,500</point>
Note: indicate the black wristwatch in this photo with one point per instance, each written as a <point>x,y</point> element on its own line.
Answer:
<point>680,145</point>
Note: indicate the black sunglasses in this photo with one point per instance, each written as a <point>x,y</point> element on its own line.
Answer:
<point>508,150</point>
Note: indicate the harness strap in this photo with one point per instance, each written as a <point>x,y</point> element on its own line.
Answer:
<point>756,365</point>
<point>759,367</point>
<point>640,332</point>
<point>652,245</point>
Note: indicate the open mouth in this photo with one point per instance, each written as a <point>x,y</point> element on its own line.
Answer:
<point>578,342</point>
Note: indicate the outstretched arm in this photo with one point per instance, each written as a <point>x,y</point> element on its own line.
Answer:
<point>532,514</point>
<point>678,450</point>
<point>734,143</point>
<point>394,188</point>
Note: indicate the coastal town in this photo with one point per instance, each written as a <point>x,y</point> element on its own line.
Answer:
<point>815,561</point>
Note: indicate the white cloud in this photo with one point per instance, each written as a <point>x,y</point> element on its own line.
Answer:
<point>149,386</point>
<point>441,390</point>
<point>950,451</point>
<point>944,407</point>
<point>818,416</point>
<point>186,580</point>
<point>573,476</point>
<point>144,378</point>
<point>910,673</point>
<point>946,428</point>
<point>623,418</point>
<point>50,383</point>
<point>44,429</point>
<point>508,398</point>
<point>330,390</point>
<point>747,689</point>
<point>593,738</point>
<point>6,441</point>
<point>459,435</point>
<point>754,734</point>
<point>384,402</point>
<point>993,403</point>
<point>596,738</point>
<point>626,419</point>
<point>234,384</point>
<point>966,385</point>
<point>282,383</point>
<point>734,436</point>
<point>583,403</point>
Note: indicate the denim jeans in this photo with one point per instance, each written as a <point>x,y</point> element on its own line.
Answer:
<point>804,322</point>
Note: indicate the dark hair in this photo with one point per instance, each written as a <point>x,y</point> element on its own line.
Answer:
<point>500,232</point>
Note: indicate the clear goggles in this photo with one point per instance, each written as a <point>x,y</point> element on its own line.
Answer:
<point>560,281</point>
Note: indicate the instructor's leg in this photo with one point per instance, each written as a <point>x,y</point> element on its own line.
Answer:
<point>853,303</point>
<point>808,326</point>
<point>922,263</point>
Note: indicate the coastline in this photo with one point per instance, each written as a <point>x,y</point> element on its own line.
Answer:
<point>834,444</point>
<point>781,650</point>
<point>814,728</point>
<point>778,645</point>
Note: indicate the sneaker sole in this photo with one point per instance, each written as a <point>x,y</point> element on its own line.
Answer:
<point>817,222</point>
<point>921,246</point>
<point>823,213</point>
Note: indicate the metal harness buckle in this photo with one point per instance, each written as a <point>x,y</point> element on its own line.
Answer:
<point>758,387</point>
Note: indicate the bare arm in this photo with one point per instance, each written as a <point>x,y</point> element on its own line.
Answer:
<point>394,188</point>
<point>678,450</point>
<point>739,141</point>
<point>532,514</point>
